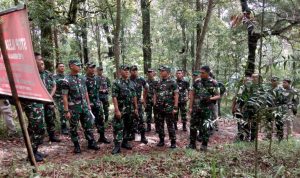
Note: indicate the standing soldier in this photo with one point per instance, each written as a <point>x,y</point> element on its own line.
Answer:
<point>93,86</point>
<point>49,109</point>
<point>291,100</point>
<point>166,101</point>
<point>77,106</point>
<point>149,109</point>
<point>125,104</point>
<point>203,95</point>
<point>183,87</point>
<point>104,91</point>
<point>59,79</point>
<point>140,86</point>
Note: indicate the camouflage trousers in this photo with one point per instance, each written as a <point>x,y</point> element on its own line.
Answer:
<point>271,118</point>
<point>247,127</point>
<point>182,109</point>
<point>105,104</point>
<point>138,121</point>
<point>50,118</point>
<point>36,130</point>
<point>99,120</point>
<point>150,109</point>
<point>60,108</point>
<point>200,119</point>
<point>122,127</point>
<point>86,121</point>
<point>169,118</point>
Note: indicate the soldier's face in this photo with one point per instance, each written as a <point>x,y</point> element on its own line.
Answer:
<point>40,65</point>
<point>75,68</point>
<point>151,74</point>
<point>285,84</point>
<point>179,74</point>
<point>100,72</point>
<point>125,73</point>
<point>134,73</point>
<point>61,68</point>
<point>91,70</point>
<point>163,73</point>
<point>274,83</point>
<point>203,74</point>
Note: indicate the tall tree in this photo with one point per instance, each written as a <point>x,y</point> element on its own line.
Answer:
<point>145,6</point>
<point>200,38</point>
<point>84,34</point>
<point>117,36</point>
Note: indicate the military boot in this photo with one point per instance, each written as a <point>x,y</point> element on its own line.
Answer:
<point>204,147</point>
<point>64,129</point>
<point>53,138</point>
<point>143,138</point>
<point>184,126</point>
<point>37,157</point>
<point>93,145</point>
<point>77,148</point>
<point>126,145</point>
<point>116,149</point>
<point>161,142</point>
<point>192,145</point>
<point>148,127</point>
<point>173,144</point>
<point>102,139</point>
<point>175,126</point>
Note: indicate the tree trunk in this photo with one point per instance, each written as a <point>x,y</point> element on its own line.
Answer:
<point>184,49</point>
<point>98,41</point>
<point>145,6</point>
<point>200,39</point>
<point>108,38</point>
<point>56,47</point>
<point>47,44</point>
<point>198,34</point>
<point>116,36</point>
<point>84,37</point>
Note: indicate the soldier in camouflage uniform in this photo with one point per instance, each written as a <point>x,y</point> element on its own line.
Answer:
<point>59,78</point>
<point>35,114</point>
<point>141,86</point>
<point>49,82</point>
<point>125,105</point>
<point>77,106</point>
<point>291,101</point>
<point>203,94</point>
<point>166,101</point>
<point>152,82</point>
<point>93,84</point>
<point>104,91</point>
<point>183,87</point>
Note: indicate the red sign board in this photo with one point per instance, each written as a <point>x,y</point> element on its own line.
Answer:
<point>16,34</point>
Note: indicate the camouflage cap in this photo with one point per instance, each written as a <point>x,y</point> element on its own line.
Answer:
<point>150,70</point>
<point>274,78</point>
<point>164,68</point>
<point>90,65</point>
<point>196,73</point>
<point>133,67</point>
<point>124,67</point>
<point>75,61</point>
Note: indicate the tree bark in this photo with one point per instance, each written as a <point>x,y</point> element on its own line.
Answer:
<point>184,49</point>
<point>145,6</point>
<point>116,36</point>
<point>198,34</point>
<point>200,39</point>
<point>108,38</point>
<point>98,41</point>
<point>84,37</point>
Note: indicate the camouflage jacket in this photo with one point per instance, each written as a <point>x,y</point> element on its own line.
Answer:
<point>124,91</point>
<point>74,86</point>
<point>140,84</point>
<point>48,80</point>
<point>290,98</point>
<point>183,87</point>
<point>59,79</point>
<point>104,85</point>
<point>204,89</point>
<point>152,84</point>
<point>165,91</point>
<point>93,85</point>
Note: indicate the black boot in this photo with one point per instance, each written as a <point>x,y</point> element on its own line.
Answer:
<point>131,137</point>
<point>116,149</point>
<point>199,138</point>
<point>102,139</point>
<point>173,144</point>
<point>64,129</point>
<point>192,145</point>
<point>77,148</point>
<point>126,145</point>
<point>53,138</point>
<point>42,154</point>
<point>161,142</point>
<point>184,126</point>
<point>37,157</point>
<point>148,127</point>
<point>143,138</point>
<point>175,126</point>
<point>204,147</point>
<point>93,145</point>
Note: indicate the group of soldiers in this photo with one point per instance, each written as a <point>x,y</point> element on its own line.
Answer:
<point>282,104</point>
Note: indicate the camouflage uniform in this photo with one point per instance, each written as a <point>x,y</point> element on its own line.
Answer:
<point>59,79</point>
<point>49,82</point>
<point>74,86</point>
<point>183,87</point>
<point>202,109</point>
<point>139,83</point>
<point>35,114</point>
<point>149,102</point>
<point>165,91</point>
<point>124,91</point>
<point>103,95</point>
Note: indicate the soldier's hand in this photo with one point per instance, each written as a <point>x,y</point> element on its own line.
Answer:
<point>175,111</point>
<point>68,115</point>
<point>118,114</point>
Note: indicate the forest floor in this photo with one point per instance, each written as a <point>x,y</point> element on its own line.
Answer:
<point>224,158</point>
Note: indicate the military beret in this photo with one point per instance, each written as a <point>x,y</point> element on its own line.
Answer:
<point>133,67</point>
<point>90,65</point>
<point>75,61</point>
<point>165,68</point>
<point>124,67</point>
